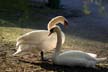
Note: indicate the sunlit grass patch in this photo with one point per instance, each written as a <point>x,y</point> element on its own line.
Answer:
<point>10,33</point>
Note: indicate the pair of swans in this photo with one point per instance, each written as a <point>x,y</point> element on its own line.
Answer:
<point>72,57</point>
<point>39,39</point>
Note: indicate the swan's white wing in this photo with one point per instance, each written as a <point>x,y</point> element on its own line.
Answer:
<point>74,58</point>
<point>78,53</point>
<point>39,39</point>
<point>36,36</point>
<point>73,54</point>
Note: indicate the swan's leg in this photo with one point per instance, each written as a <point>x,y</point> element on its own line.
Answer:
<point>42,56</point>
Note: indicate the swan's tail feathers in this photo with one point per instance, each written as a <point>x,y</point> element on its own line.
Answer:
<point>18,51</point>
<point>92,55</point>
<point>17,44</point>
<point>101,59</point>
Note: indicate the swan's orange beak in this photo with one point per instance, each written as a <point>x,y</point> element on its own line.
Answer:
<point>65,24</point>
<point>49,33</point>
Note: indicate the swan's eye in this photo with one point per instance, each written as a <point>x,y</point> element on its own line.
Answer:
<point>52,30</point>
<point>65,23</point>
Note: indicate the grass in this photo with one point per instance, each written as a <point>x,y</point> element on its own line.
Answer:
<point>11,29</point>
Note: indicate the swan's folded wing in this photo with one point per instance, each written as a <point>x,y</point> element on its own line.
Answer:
<point>36,37</point>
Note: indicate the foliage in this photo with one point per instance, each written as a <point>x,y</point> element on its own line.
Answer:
<point>14,4</point>
<point>99,4</point>
<point>18,6</point>
<point>86,9</point>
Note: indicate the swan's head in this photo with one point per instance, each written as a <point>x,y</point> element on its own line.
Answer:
<point>54,29</point>
<point>56,20</point>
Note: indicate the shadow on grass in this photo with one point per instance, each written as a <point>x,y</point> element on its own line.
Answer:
<point>37,23</point>
<point>58,68</point>
<point>85,27</point>
<point>36,19</point>
<point>88,28</point>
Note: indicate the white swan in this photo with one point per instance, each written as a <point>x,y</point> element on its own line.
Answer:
<point>39,39</point>
<point>72,57</point>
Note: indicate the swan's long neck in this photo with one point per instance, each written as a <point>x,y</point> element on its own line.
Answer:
<point>56,20</point>
<point>58,44</point>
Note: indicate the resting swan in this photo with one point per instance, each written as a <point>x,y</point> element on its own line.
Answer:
<point>72,57</point>
<point>39,39</point>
